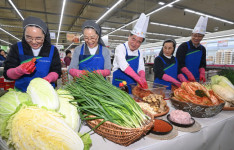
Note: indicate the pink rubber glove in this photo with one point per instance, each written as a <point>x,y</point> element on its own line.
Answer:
<point>142,75</point>
<point>129,71</point>
<point>25,68</point>
<point>77,73</point>
<point>182,78</point>
<point>51,77</point>
<point>188,74</point>
<point>202,74</point>
<point>104,72</point>
<point>170,79</point>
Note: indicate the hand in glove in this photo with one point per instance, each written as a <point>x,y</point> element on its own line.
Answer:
<point>25,68</point>
<point>129,71</point>
<point>182,78</point>
<point>51,77</point>
<point>142,75</point>
<point>77,73</point>
<point>104,72</point>
<point>171,79</point>
<point>188,74</point>
<point>202,74</point>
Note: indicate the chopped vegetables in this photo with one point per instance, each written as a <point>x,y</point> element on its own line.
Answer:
<point>100,98</point>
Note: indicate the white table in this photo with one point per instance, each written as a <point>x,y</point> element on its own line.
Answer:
<point>217,133</point>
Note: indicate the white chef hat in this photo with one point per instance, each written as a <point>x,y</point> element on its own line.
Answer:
<point>201,25</point>
<point>141,26</point>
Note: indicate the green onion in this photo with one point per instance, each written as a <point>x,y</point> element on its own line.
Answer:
<point>96,96</point>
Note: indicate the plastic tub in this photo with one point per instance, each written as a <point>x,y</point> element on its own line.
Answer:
<point>153,88</point>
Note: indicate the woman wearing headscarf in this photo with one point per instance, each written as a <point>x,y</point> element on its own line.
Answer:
<point>92,55</point>
<point>166,65</point>
<point>33,57</point>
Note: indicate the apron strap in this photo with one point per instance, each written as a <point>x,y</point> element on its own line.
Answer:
<point>162,60</point>
<point>188,44</point>
<point>20,47</point>
<point>176,60</point>
<point>82,50</point>
<point>51,52</point>
<point>126,49</point>
<point>100,49</point>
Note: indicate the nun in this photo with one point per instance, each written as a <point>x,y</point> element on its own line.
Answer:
<point>128,64</point>
<point>33,57</point>
<point>166,65</point>
<point>91,56</point>
<point>191,55</point>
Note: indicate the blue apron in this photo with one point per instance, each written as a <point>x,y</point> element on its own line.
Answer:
<point>119,76</point>
<point>170,70</point>
<point>91,62</point>
<point>42,68</point>
<point>193,60</point>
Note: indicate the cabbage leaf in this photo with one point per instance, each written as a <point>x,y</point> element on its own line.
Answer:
<point>8,104</point>
<point>32,127</point>
<point>70,112</point>
<point>43,94</point>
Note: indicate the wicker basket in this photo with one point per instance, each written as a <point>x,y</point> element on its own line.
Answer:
<point>118,134</point>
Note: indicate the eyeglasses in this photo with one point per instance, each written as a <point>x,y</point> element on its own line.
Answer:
<point>135,40</point>
<point>198,35</point>
<point>92,38</point>
<point>37,39</point>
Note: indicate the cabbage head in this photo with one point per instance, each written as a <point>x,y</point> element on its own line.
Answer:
<point>68,109</point>
<point>43,94</point>
<point>32,127</point>
<point>8,104</point>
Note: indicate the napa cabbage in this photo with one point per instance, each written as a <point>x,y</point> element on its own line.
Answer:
<point>8,104</point>
<point>68,109</point>
<point>32,127</point>
<point>221,80</point>
<point>43,94</point>
<point>223,88</point>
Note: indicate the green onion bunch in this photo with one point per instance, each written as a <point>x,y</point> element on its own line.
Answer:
<point>98,97</point>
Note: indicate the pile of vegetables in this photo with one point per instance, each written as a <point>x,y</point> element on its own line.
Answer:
<point>224,89</point>
<point>98,97</point>
<point>42,118</point>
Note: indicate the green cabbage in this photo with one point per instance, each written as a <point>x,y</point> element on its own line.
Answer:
<point>43,94</point>
<point>32,127</point>
<point>8,104</point>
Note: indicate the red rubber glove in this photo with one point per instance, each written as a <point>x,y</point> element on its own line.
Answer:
<point>171,79</point>
<point>51,77</point>
<point>129,71</point>
<point>142,75</point>
<point>202,74</point>
<point>25,68</point>
<point>188,74</point>
<point>77,73</point>
<point>182,78</point>
<point>104,73</point>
